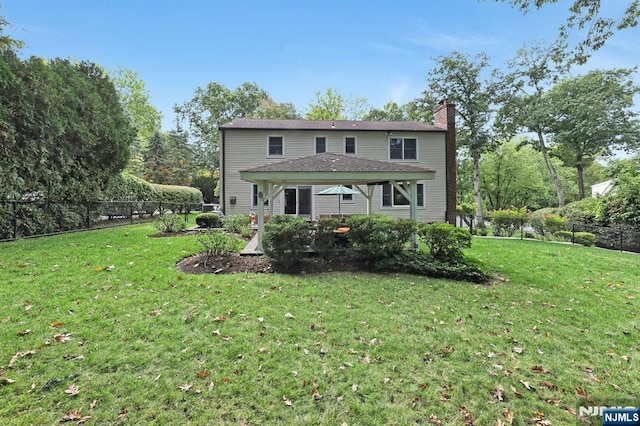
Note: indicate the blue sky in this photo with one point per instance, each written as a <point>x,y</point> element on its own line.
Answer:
<point>380,50</point>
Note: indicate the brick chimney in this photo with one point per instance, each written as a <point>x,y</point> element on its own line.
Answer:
<point>445,115</point>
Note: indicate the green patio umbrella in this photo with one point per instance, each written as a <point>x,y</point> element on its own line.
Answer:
<point>338,190</point>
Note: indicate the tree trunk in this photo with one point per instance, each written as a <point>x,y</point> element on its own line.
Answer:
<point>580,169</point>
<point>552,170</point>
<point>476,189</point>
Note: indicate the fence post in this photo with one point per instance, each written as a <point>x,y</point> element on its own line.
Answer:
<point>15,219</point>
<point>131,212</point>
<point>573,233</point>
<point>186,213</point>
<point>621,240</point>
<point>88,218</point>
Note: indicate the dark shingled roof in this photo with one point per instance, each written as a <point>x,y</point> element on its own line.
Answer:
<point>397,126</point>
<point>332,162</point>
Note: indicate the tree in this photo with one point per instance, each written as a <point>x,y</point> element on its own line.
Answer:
<point>63,130</point>
<point>333,106</point>
<point>178,158</point>
<point>591,115</point>
<point>144,117</point>
<point>156,170</point>
<point>214,105</point>
<point>390,112</point>
<point>462,81</point>
<point>621,206</point>
<point>522,104</point>
<point>271,110</point>
<point>586,14</point>
<point>511,176</point>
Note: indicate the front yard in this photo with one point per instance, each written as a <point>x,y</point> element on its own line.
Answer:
<point>100,327</point>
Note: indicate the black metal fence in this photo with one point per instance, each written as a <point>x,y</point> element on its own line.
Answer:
<point>38,217</point>
<point>612,238</point>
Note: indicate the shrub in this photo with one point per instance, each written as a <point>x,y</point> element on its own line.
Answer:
<point>377,236</point>
<point>583,211</point>
<point>507,222</point>
<point>563,235</point>
<point>552,223</point>
<point>444,240</point>
<point>236,223</point>
<point>323,238</point>
<point>536,218</point>
<point>584,238</point>
<point>420,263</point>
<point>286,238</point>
<point>170,223</point>
<point>215,243</point>
<point>208,220</point>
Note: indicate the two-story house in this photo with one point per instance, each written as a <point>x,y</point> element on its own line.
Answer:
<point>401,169</point>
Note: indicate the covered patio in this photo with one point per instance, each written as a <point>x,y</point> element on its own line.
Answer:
<point>333,169</point>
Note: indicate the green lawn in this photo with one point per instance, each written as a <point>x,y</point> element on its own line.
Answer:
<point>101,324</point>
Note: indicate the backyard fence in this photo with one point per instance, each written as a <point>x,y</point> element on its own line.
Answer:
<point>612,238</point>
<point>30,218</point>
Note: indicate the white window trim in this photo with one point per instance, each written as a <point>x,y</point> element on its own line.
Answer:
<point>344,145</point>
<point>403,159</point>
<point>403,207</point>
<point>283,146</point>
<point>326,143</point>
<point>352,200</point>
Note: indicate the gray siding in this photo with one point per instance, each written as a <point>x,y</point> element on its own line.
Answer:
<point>245,149</point>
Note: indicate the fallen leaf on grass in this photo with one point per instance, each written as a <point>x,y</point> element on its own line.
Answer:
<point>287,401</point>
<point>498,393</point>
<point>539,369</point>
<point>19,355</point>
<point>72,390</point>
<point>527,385</point>
<point>434,420</point>
<point>185,387</point>
<point>203,373</point>
<point>57,324</point>
<point>123,413</point>
<point>354,387</point>
<point>289,315</point>
<point>24,332</point>
<point>515,391</point>
<point>72,416</point>
<point>62,337</point>
<point>616,387</point>
<point>508,414</point>
<point>548,385</point>
<point>6,381</point>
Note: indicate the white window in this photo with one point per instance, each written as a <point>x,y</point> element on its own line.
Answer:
<point>254,197</point>
<point>403,148</point>
<point>391,197</point>
<point>320,144</point>
<point>276,146</point>
<point>350,145</point>
<point>348,198</point>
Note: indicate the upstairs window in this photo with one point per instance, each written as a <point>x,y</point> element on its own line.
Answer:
<point>276,146</point>
<point>349,145</point>
<point>391,197</point>
<point>403,149</point>
<point>321,144</point>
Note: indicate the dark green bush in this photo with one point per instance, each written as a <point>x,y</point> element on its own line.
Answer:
<point>177,197</point>
<point>420,263</point>
<point>583,211</point>
<point>214,243</point>
<point>236,223</point>
<point>170,223</point>
<point>563,235</point>
<point>208,220</point>
<point>552,223</point>
<point>376,236</point>
<point>286,239</point>
<point>323,238</point>
<point>444,240</point>
<point>584,238</point>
